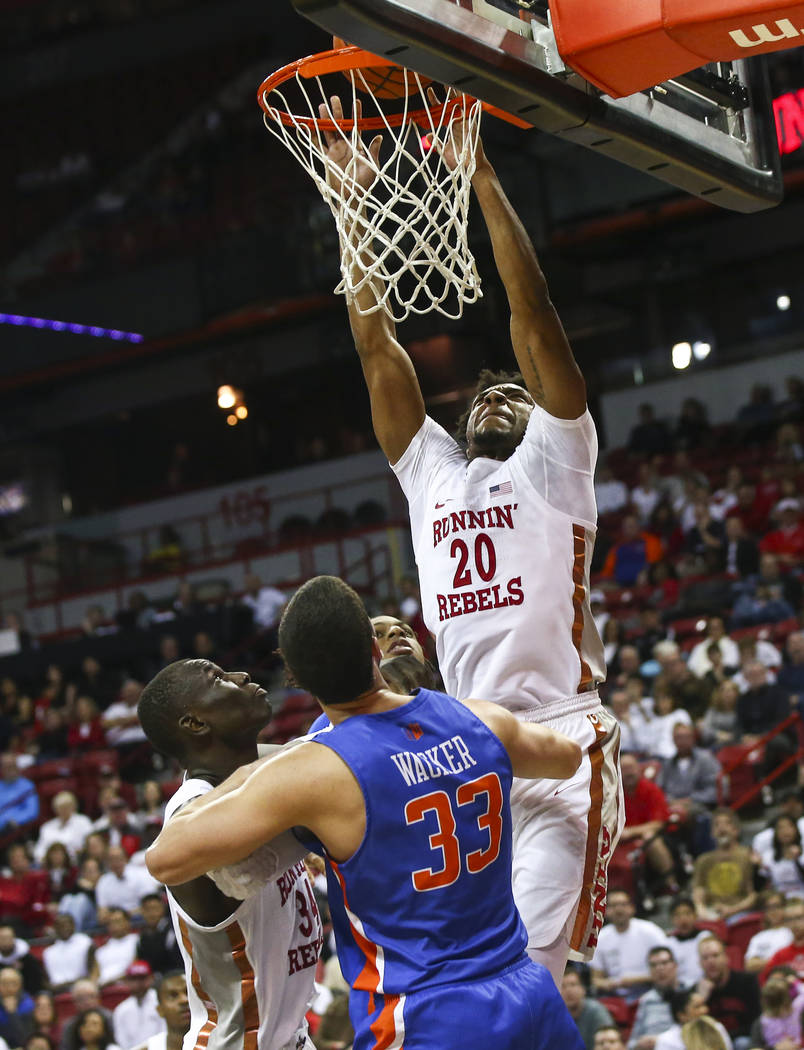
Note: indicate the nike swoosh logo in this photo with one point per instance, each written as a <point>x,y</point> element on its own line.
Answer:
<point>438,506</point>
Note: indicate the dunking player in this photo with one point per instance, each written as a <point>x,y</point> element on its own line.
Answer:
<point>249,963</point>
<point>503,533</point>
<point>409,799</point>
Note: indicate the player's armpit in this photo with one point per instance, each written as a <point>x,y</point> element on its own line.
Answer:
<point>534,750</point>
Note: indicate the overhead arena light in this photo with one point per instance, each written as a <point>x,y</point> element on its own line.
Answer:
<point>227,396</point>
<point>681,355</point>
<point>701,350</point>
<point>782,302</point>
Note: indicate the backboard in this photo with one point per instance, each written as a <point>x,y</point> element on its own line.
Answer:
<point>710,132</point>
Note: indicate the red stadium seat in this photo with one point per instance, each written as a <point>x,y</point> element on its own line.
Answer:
<point>741,931</point>
<point>58,767</point>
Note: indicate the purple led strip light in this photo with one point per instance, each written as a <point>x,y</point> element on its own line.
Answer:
<point>68,326</point>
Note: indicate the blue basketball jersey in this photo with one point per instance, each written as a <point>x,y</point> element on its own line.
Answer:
<point>427,896</point>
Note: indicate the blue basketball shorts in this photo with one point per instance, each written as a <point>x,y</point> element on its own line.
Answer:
<point>519,1009</point>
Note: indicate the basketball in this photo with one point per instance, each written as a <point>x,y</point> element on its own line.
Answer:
<point>382,81</point>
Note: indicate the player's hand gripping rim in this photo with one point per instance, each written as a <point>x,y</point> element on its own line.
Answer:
<point>351,168</point>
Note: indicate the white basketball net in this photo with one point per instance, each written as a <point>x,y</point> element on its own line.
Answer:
<point>406,235</point>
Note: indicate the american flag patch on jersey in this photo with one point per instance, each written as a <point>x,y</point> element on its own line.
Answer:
<point>501,490</point>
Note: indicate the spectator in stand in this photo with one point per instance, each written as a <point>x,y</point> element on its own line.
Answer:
<point>204,647</point>
<point>152,806</point>
<point>732,996</point>
<point>137,1018</point>
<point>759,606</point>
<point>123,886</point>
<point>620,966</point>
<point>653,1015</point>
<point>19,802</point>
<point>689,781</point>
<point>759,709</point>
<point>723,878</point>
<point>724,498</point>
<point>613,637</point>
<point>751,650</point>
<point>693,428</point>
<point>95,681</point>
<point>16,952</point>
<point>717,673</point>
<point>86,733</point>
<point>751,511</point>
<point>792,407</point>
<point>626,666</point>
<point>608,1038</point>
<point>265,601</point>
<point>168,555</point>
<point>123,731</point>
<point>791,676</point>
<point>787,540</point>
<point>646,493</point>
<point>120,826</point>
<point>783,864</point>
<point>776,934</point>
<point>80,904</point>
<point>719,726</point>
<point>632,721</point>
<point>706,540</point>
<point>646,813</point>
<point>666,716</point>
<point>690,692</point>
<point>68,827</point>
<point>169,650</point>
<point>51,739</point>
<point>665,525</point>
<point>663,580</point>
<point>93,1032</point>
<point>779,1024</point>
<point>757,417</point>
<point>97,847</point>
<point>741,557</point>
<point>793,954</point>
<point>174,1008</point>
<point>24,894</point>
<point>684,938</point>
<point>157,941</point>
<point>650,435</point>
<point>588,1014</point>
<point>16,1008</point>
<point>70,956</point>
<point>85,996</point>
<point>45,1018</point>
<point>791,803</point>
<point>95,623</point>
<point>632,554</point>
<point>785,586</point>
<point>60,871</point>
<point>651,631</point>
<point>687,1008</point>
<point>114,957</point>
<point>186,602</point>
<point>699,662</point>
<point>611,494</point>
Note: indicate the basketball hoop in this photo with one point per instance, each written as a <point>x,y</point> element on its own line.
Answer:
<point>406,235</point>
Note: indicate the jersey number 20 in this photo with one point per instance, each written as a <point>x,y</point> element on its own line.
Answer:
<point>446,840</point>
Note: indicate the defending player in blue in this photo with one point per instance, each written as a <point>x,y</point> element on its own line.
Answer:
<point>408,798</point>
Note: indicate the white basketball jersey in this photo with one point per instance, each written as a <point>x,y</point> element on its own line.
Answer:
<point>503,550</point>
<point>250,978</point>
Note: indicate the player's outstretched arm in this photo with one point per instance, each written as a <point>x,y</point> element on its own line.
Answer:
<point>227,824</point>
<point>540,345</point>
<point>397,406</point>
<point>535,751</point>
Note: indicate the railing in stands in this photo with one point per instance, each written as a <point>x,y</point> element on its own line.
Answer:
<point>749,751</point>
<point>248,520</point>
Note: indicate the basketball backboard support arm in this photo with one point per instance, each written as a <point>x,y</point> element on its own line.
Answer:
<point>728,156</point>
